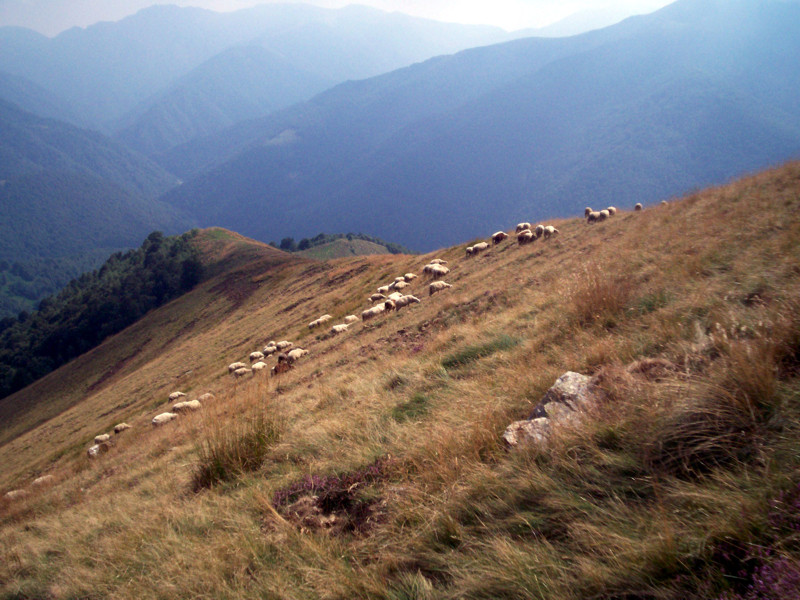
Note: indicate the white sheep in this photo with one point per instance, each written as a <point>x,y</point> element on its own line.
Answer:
<point>479,247</point>
<point>296,354</point>
<point>44,479</point>
<point>259,366</point>
<point>409,276</point>
<point>241,372</point>
<point>469,250</point>
<point>350,319</point>
<point>395,296</point>
<point>103,437</point>
<point>550,231</point>
<point>664,203</point>
<point>175,395</point>
<point>368,314</point>
<point>595,217</point>
<point>437,286</point>
<point>538,231</point>
<point>15,494</point>
<point>237,365</point>
<point>337,329</point>
<point>587,211</point>
<point>437,261</point>
<point>405,301</point>
<point>401,278</point>
<point>384,289</point>
<point>256,356</point>
<point>269,350</point>
<point>187,406</point>
<point>207,397</point>
<point>522,227</point>
<point>498,237</point>
<point>437,271</point>
<point>399,285</point>
<point>163,418</point>
<point>376,297</point>
<point>612,210</point>
<point>120,427</point>
<point>283,345</point>
<point>525,237</point>
<point>319,321</point>
<point>638,207</point>
<point>605,214</point>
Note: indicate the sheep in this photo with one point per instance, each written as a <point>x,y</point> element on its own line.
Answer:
<point>207,397</point>
<point>525,237</point>
<point>395,296</point>
<point>296,354</point>
<point>587,211</point>
<point>469,250</point>
<point>405,301</point>
<point>612,210</point>
<point>398,279</point>
<point>337,329</point>
<point>399,285</point>
<point>384,289</point>
<point>186,406</point>
<point>368,314</point>
<point>44,479</point>
<point>14,494</point>
<point>605,214</point>
<point>237,365</point>
<point>479,247</point>
<point>269,350</point>
<point>281,367</point>
<point>664,203</point>
<point>437,261</point>
<point>103,437</point>
<point>319,321</point>
<point>523,227</point>
<point>259,366</point>
<point>550,231</point>
<point>163,418</point>
<point>638,207</point>
<point>437,271</point>
<point>256,356</point>
<point>270,343</point>
<point>376,297</point>
<point>409,276</point>
<point>241,372</point>
<point>175,395</point>
<point>120,427</point>
<point>284,345</point>
<point>499,237</point>
<point>437,286</point>
<point>350,319</point>
<point>538,231</point>
<point>595,217</point>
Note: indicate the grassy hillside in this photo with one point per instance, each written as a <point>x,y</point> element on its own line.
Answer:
<point>376,467</point>
<point>343,248</point>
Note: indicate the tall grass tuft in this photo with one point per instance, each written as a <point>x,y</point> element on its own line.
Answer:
<point>237,448</point>
<point>470,354</point>
<point>598,296</point>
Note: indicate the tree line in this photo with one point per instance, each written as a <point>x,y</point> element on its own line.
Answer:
<point>288,244</point>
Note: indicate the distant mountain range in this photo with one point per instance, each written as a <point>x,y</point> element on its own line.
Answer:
<point>461,145</point>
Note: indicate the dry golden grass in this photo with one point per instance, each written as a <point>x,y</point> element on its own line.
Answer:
<point>632,502</point>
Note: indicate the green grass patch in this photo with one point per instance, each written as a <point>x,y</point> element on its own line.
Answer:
<point>415,408</point>
<point>475,352</point>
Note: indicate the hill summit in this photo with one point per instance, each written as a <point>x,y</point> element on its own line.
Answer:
<point>375,466</point>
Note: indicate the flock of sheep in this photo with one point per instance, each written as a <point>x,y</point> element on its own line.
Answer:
<point>387,298</point>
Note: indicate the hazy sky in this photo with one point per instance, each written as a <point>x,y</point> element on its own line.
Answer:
<point>53,16</point>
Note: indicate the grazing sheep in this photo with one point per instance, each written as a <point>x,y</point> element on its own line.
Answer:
<point>237,365</point>
<point>409,276</point>
<point>256,356</point>
<point>394,296</point>
<point>525,237</point>
<point>522,227</point>
<point>384,289</point>
<point>437,261</point>
<point>550,231</point>
<point>595,217</point>
<point>438,271</point>
<point>350,319</point>
<point>469,250</point>
<point>281,367</point>
<point>120,427</point>
<point>207,397</point>
<point>296,354</point>
<point>336,329</point>
<point>14,494</point>
<point>479,247</point>
<point>587,211</point>
<point>259,366</point>
<point>405,301</point>
<point>368,314</point>
<point>437,286</point>
<point>538,231</point>
<point>163,418</point>
<point>401,278</point>
<point>499,237</point>
<point>270,343</point>
<point>241,372</point>
<point>612,210</point>
<point>605,214</point>
<point>44,479</point>
<point>638,207</point>
<point>187,406</point>
<point>399,285</point>
<point>284,345</point>
<point>103,437</point>
<point>175,395</point>
<point>269,350</point>
<point>376,297</point>
<point>664,203</point>
<point>319,321</point>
